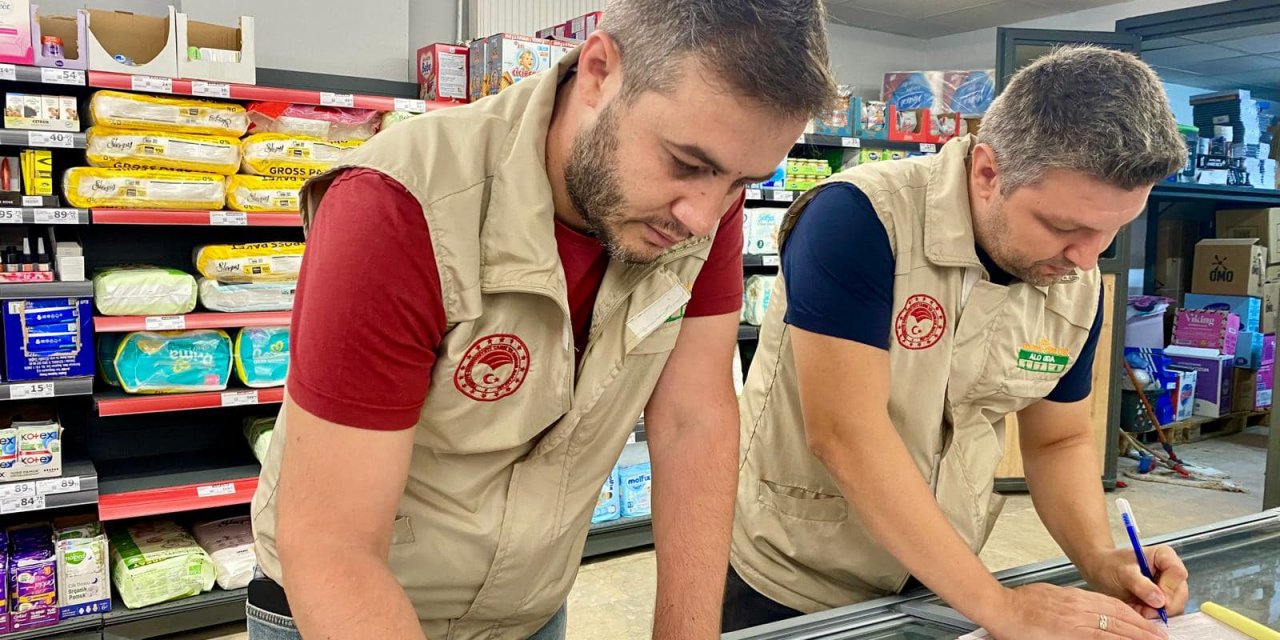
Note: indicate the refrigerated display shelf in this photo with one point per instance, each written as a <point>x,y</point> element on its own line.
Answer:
<point>619,535</point>
<point>201,320</point>
<point>31,290</point>
<point>1219,193</point>
<point>195,218</point>
<point>118,403</point>
<point>42,139</point>
<point>156,487</point>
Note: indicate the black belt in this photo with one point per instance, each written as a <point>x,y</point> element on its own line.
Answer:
<point>265,594</point>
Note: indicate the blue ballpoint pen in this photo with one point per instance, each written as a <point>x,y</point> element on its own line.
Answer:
<point>1131,526</point>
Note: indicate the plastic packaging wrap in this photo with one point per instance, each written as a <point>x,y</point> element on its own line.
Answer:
<point>262,296</point>
<point>229,543</point>
<point>324,123</point>
<point>91,187</point>
<point>158,561</point>
<point>136,111</point>
<point>262,356</point>
<point>174,361</point>
<point>609,502</point>
<point>263,193</point>
<point>258,262</point>
<point>126,149</point>
<point>636,482</point>
<point>277,154</point>
<point>144,291</point>
<point>107,344</point>
<point>258,432</point>
<point>756,294</point>
<point>395,117</point>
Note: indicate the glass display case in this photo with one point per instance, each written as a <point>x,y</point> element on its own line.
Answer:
<point>1235,563</point>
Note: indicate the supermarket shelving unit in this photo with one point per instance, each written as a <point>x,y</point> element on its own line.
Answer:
<point>195,218</point>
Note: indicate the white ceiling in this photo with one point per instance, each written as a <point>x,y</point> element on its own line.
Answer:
<point>935,18</point>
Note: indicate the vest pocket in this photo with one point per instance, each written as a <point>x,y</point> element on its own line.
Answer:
<point>803,503</point>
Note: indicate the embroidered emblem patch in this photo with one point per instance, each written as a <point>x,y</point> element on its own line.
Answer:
<point>1043,358</point>
<point>493,368</point>
<point>921,322</point>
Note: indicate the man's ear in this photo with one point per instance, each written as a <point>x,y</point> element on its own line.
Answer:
<point>984,175</point>
<point>599,70</point>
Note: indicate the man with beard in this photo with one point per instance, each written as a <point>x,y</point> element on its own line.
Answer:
<point>921,301</point>
<point>491,296</point>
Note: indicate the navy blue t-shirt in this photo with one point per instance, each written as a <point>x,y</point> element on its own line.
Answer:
<point>838,267</point>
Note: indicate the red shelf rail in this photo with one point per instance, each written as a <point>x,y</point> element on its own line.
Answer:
<point>166,500</point>
<point>195,218</point>
<point>118,405</point>
<point>207,320</point>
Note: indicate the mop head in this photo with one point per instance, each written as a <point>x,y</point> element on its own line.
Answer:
<point>1214,479</point>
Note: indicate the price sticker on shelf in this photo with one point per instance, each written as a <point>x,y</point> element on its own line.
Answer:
<point>928,147</point>
<point>152,84</point>
<point>214,490</point>
<point>17,489</point>
<point>62,76</point>
<point>753,194</point>
<point>22,504</point>
<point>166,323</point>
<point>239,398</point>
<point>770,260</point>
<point>70,484</point>
<point>8,72</point>
<point>50,139</point>
<point>410,105</point>
<point>57,216</point>
<point>802,139</point>
<point>31,390</point>
<point>783,196</point>
<point>32,201</point>
<point>337,99</point>
<point>852,143</point>
<point>631,439</point>
<point>10,216</point>
<point>210,89</point>
<point>228,218</point>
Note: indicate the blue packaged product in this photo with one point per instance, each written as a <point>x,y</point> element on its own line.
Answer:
<point>637,490</point>
<point>42,317</point>
<point>47,344</point>
<point>912,89</point>
<point>108,343</point>
<point>174,361</point>
<point>62,327</point>
<point>967,92</point>
<point>609,504</point>
<point>1248,308</point>
<point>51,338</point>
<point>262,356</point>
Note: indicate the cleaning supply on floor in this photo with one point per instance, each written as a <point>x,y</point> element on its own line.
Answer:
<point>174,361</point>
<point>229,543</point>
<point>277,154</point>
<point>158,561</point>
<point>246,263</point>
<point>33,577</point>
<point>128,149</point>
<point>262,356</point>
<point>609,503</point>
<point>756,293</point>
<point>259,296</point>
<point>258,432</point>
<point>144,290</point>
<point>264,194</point>
<point>324,123</point>
<point>155,113</point>
<point>84,582</point>
<point>93,187</point>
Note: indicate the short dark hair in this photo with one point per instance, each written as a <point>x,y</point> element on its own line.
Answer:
<point>1097,111</point>
<point>772,50</point>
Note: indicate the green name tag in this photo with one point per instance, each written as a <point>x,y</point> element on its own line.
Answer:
<point>1042,362</point>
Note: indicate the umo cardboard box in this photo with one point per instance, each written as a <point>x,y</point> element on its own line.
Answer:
<point>1229,267</point>
<point>150,42</point>
<point>1213,378</point>
<point>1263,224</point>
<point>214,52</point>
<point>1249,309</point>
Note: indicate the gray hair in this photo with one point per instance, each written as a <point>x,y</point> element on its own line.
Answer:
<point>1097,111</point>
<point>773,51</point>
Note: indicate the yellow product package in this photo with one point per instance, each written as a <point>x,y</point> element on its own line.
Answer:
<point>127,149</point>
<point>263,193</point>
<point>88,187</point>
<point>249,263</point>
<point>277,154</point>
<point>154,113</point>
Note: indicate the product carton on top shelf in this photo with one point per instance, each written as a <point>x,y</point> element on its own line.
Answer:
<point>442,73</point>
<point>1213,378</point>
<point>150,42</point>
<point>15,32</point>
<point>233,57</point>
<point>1229,266</point>
<point>1263,224</point>
<point>72,31</point>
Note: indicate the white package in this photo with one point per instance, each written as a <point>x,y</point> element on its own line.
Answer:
<point>762,234</point>
<point>144,291</point>
<point>758,291</point>
<point>262,296</point>
<point>230,543</point>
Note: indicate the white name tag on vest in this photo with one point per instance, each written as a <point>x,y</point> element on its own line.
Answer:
<point>651,317</point>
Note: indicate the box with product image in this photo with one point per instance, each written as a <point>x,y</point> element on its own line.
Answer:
<point>922,125</point>
<point>477,69</point>
<point>762,235</point>
<point>909,90</point>
<point>41,112</point>
<point>442,73</point>
<point>1216,330</point>
<point>584,25</point>
<point>1263,224</point>
<point>1213,378</point>
<point>839,119</point>
<point>1265,386</point>
<point>513,58</point>
<point>872,119</point>
<point>967,92</point>
<point>1249,309</point>
<point>1184,393</point>
<point>1251,390</point>
<point>15,32</point>
<point>33,581</point>
<point>123,42</point>
<point>84,581</point>
<point>1229,266</point>
<point>559,50</point>
<point>207,51</point>
<point>59,41</point>
<point>46,339</point>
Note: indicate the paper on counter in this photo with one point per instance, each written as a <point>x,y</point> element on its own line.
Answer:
<point>1193,626</point>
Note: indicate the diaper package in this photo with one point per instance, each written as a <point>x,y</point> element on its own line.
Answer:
<point>108,343</point>
<point>257,262</point>
<point>158,561</point>
<point>84,581</point>
<point>229,543</point>
<point>609,504</point>
<point>258,432</point>
<point>126,149</point>
<point>33,577</point>
<point>262,356</point>
<point>261,296</point>
<point>263,193</point>
<point>154,113</point>
<point>144,291</point>
<point>90,187</point>
<point>762,229</point>
<point>324,123</point>
<point>278,154</point>
<point>174,361</point>
<point>756,298</point>
<point>637,490</point>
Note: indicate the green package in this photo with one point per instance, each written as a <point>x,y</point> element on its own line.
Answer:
<point>158,561</point>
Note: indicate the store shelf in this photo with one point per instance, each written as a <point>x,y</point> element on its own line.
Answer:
<point>618,535</point>
<point>748,332</point>
<point>204,320</point>
<point>772,195</point>
<point>756,261</point>
<point>43,215</point>
<point>55,388</point>
<point>163,485</point>
<point>117,403</point>
<point>816,140</point>
<point>243,92</point>
<point>1218,193</point>
<point>195,218</point>
<point>42,75</point>
<point>210,609</point>
<point>76,487</point>
<point>49,139</point>
<point>89,626</point>
<point>31,290</point>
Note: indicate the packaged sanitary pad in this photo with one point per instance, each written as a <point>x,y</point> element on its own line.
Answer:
<point>277,154</point>
<point>158,561</point>
<point>262,356</point>
<point>261,296</point>
<point>126,149</point>
<point>174,361</point>
<point>144,291</point>
<point>229,543</point>
<point>609,504</point>
<point>84,583</point>
<point>155,113</point>
<point>257,262</point>
<point>324,123</point>
<point>757,293</point>
<point>762,229</point>
<point>90,187</point>
<point>263,193</point>
<point>637,490</point>
<point>33,581</point>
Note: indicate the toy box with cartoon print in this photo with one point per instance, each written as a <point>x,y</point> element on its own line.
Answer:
<point>46,339</point>
<point>442,73</point>
<point>512,58</point>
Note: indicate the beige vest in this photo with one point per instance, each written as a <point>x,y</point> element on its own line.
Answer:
<point>965,352</point>
<point>513,443</point>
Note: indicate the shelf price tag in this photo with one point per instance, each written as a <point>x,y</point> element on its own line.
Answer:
<point>410,105</point>
<point>153,84</point>
<point>32,201</point>
<point>228,218</point>
<point>166,323</point>
<point>338,100</point>
<point>928,147</point>
<point>770,260</point>
<point>239,398</point>
<point>22,504</point>
<point>783,196</point>
<point>210,89</point>
<point>852,143</point>
<point>214,490</point>
<point>69,484</point>
<point>753,194</point>
<point>8,72</point>
<point>50,139</point>
<point>31,390</point>
<point>802,139</point>
<point>57,216</point>
<point>62,76</point>
<point>631,439</point>
<point>17,490</point>
<point>10,216</point>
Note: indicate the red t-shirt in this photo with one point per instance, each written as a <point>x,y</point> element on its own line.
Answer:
<point>369,316</point>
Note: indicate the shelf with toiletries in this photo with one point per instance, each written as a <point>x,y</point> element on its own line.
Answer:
<point>195,218</point>
<point>118,403</point>
<point>161,485</point>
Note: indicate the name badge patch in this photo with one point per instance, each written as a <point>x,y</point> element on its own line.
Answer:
<point>1043,358</point>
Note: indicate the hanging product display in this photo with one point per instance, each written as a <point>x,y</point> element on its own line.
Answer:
<point>262,356</point>
<point>126,149</point>
<point>174,361</point>
<point>158,561</point>
<point>89,187</point>
<point>257,262</point>
<point>263,193</point>
<point>323,123</point>
<point>153,113</point>
<point>260,296</point>
<point>144,291</point>
<point>277,154</point>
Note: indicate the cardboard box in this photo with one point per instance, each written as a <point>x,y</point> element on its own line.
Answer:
<point>1270,306</point>
<point>872,119</point>
<point>150,42</point>
<point>1244,390</point>
<point>1184,393</point>
<point>1263,224</point>
<point>1265,378</point>
<point>513,58</point>
<point>443,73</point>
<point>1248,350</point>
<point>238,59</point>
<point>73,32</point>
<point>15,32</point>
<point>1213,378</point>
<point>1217,330</point>
<point>584,25</point>
<point>1229,266</point>
<point>1273,272</point>
<point>478,69</point>
<point>1249,309</point>
<point>41,112</point>
<point>50,338</point>
<point>922,125</point>
<point>1268,349</point>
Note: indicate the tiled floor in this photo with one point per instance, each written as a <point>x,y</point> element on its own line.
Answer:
<point>613,597</point>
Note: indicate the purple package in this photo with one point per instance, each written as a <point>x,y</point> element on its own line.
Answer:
<point>4,582</point>
<point>33,588</point>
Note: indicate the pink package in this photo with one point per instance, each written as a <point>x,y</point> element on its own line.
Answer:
<point>1268,349</point>
<point>1206,329</point>
<point>15,32</point>
<point>1264,392</point>
<point>325,123</point>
